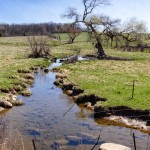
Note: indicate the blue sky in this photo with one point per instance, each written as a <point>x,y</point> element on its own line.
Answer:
<point>35,11</point>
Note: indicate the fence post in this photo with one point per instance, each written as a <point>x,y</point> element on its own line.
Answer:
<point>134,141</point>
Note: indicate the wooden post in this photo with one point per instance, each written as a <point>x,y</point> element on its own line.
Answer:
<point>133,89</point>
<point>33,144</point>
<point>96,142</point>
<point>134,141</point>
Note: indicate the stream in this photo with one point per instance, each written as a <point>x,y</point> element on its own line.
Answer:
<point>41,118</point>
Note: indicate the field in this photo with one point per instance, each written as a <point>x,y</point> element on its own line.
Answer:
<point>105,78</point>
<point>14,56</point>
<point>114,79</point>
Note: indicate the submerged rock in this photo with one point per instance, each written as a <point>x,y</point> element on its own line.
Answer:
<point>113,146</point>
<point>61,142</point>
<point>74,138</point>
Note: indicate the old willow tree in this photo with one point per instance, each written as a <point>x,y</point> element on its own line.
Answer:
<point>92,22</point>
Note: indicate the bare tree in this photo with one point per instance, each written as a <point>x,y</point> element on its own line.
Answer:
<point>73,31</point>
<point>2,30</point>
<point>92,22</point>
<point>39,47</point>
<point>132,31</point>
<point>111,28</point>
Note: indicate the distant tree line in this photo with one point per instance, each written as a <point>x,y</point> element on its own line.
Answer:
<point>32,29</point>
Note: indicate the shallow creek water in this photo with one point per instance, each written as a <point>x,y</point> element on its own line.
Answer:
<point>41,119</point>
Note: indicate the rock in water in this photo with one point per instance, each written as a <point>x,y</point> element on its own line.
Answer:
<point>113,146</point>
<point>74,138</point>
<point>61,142</point>
<point>5,104</point>
<point>1,109</point>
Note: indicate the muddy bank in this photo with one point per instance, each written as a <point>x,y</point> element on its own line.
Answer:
<point>126,116</point>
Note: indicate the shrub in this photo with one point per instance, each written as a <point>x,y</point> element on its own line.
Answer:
<point>39,47</point>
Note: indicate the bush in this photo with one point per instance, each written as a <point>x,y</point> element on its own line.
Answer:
<point>39,47</point>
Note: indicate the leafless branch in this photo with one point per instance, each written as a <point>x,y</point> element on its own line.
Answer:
<point>39,47</point>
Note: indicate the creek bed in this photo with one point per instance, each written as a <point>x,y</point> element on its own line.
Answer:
<point>41,119</point>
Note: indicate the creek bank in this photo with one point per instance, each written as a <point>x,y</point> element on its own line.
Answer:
<point>134,118</point>
<point>26,78</point>
<point>8,101</point>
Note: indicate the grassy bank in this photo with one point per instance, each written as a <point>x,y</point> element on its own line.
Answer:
<point>113,79</point>
<point>14,53</point>
<point>13,57</point>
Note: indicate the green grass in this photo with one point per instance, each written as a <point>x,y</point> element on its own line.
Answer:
<point>105,78</point>
<point>12,58</point>
<point>113,79</point>
<point>61,48</point>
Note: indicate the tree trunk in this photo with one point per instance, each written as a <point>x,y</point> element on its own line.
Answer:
<point>71,40</point>
<point>101,53</point>
<point>111,41</point>
<point>98,45</point>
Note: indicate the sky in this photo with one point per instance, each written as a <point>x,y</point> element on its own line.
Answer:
<point>39,11</point>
